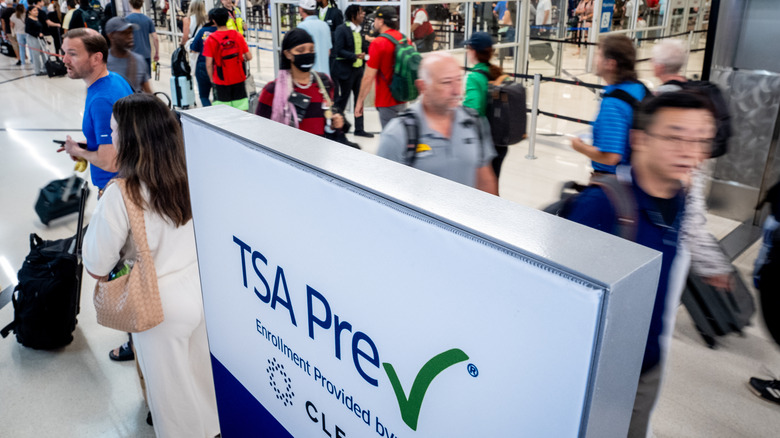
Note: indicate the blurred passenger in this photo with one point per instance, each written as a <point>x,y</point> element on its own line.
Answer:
<point>174,355</point>
<point>422,30</point>
<point>18,37</point>
<point>452,142</point>
<point>235,17</point>
<point>201,73</point>
<point>707,258</point>
<point>615,59</point>
<point>295,98</point>
<point>68,15</point>
<point>350,49</point>
<point>196,18</point>
<point>121,58</point>
<point>329,13</point>
<point>33,38</point>
<point>226,53</point>
<point>675,130</point>
<point>145,35</point>
<point>379,68</point>
<point>320,34</point>
<point>479,50</point>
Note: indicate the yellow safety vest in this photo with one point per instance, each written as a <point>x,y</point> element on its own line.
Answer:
<point>238,23</point>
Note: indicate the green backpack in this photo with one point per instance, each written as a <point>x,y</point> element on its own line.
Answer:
<point>407,62</point>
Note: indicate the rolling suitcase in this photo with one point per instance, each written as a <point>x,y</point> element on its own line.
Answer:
<point>182,93</point>
<point>46,299</point>
<point>53,65</point>
<point>717,312</point>
<point>59,198</point>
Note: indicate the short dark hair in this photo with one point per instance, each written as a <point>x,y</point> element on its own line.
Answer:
<point>71,3</point>
<point>675,99</point>
<point>352,12</point>
<point>137,3</point>
<point>93,41</point>
<point>221,16</point>
<point>620,49</point>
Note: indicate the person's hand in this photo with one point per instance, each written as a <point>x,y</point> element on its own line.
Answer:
<point>156,57</point>
<point>72,148</point>
<point>361,56</point>
<point>577,144</point>
<point>723,281</point>
<point>338,121</point>
<point>359,109</point>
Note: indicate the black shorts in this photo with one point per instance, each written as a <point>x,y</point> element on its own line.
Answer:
<point>229,93</point>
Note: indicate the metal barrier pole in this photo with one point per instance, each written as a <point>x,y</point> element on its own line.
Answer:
<point>534,117</point>
<point>690,41</point>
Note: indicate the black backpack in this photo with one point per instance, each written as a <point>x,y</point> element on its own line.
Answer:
<point>506,111</point>
<point>722,113</point>
<point>180,63</point>
<point>46,299</point>
<point>92,19</point>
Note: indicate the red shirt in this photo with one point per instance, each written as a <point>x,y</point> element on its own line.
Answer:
<point>232,70</point>
<point>381,56</point>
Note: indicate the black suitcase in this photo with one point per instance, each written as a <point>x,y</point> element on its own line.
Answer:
<point>46,299</point>
<point>7,49</point>
<point>717,312</point>
<point>53,65</point>
<point>59,198</point>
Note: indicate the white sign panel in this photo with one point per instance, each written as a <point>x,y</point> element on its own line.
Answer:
<point>331,312</point>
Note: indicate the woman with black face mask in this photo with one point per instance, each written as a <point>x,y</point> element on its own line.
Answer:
<point>299,97</point>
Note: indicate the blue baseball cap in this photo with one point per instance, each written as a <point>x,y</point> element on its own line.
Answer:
<point>479,41</point>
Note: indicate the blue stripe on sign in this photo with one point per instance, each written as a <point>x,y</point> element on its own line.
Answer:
<point>240,414</point>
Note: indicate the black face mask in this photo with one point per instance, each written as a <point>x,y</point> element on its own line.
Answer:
<point>304,62</point>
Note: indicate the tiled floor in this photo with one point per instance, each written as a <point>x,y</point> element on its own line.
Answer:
<point>79,392</point>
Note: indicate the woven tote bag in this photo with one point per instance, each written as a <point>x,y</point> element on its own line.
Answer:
<point>131,303</point>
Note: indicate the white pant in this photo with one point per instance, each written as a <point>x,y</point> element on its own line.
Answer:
<point>175,361</point>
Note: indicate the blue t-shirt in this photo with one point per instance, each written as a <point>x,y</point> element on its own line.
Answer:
<point>500,9</point>
<point>592,208</point>
<point>613,124</point>
<point>197,41</point>
<point>96,124</point>
<point>141,43</point>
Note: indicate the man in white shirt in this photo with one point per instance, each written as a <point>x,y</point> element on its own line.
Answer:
<point>543,13</point>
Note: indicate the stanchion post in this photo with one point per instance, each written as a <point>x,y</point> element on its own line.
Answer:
<point>534,117</point>
<point>688,59</point>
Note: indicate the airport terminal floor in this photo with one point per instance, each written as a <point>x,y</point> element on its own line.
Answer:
<point>78,392</point>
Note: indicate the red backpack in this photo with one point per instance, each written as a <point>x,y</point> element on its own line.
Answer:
<point>229,60</point>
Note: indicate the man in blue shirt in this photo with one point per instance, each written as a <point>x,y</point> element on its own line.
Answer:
<point>615,59</point>
<point>86,52</point>
<point>320,33</point>
<point>676,131</point>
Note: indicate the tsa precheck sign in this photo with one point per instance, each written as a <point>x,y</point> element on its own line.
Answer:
<point>332,313</point>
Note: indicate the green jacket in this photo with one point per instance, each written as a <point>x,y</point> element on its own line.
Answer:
<point>477,89</point>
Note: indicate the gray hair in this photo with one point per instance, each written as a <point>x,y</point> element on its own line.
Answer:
<point>428,61</point>
<point>671,54</point>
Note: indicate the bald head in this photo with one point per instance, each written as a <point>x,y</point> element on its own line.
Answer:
<point>440,82</point>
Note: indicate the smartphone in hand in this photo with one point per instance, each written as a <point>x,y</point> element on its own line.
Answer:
<point>62,143</point>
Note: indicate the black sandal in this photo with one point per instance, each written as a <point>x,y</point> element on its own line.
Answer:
<point>125,353</point>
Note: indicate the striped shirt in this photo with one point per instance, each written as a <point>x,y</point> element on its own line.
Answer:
<point>612,125</point>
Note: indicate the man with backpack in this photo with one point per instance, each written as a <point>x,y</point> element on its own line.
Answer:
<point>380,66</point>
<point>226,53</point>
<point>645,203</point>
<point>615,59</point>
<point>437,134</point>
<point>87,16</point>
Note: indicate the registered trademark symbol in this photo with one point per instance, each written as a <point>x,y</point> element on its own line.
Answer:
<point>473,370</point>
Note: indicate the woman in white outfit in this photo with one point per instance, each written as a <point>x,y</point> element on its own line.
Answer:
<point>174,355</point>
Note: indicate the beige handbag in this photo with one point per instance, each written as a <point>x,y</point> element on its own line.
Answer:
<point>131,303</point>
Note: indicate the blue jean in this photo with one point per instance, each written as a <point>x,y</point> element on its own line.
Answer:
<point>204,83</point>
<point>21,38</point>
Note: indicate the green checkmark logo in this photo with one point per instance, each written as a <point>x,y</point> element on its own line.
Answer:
<point>410,407</point>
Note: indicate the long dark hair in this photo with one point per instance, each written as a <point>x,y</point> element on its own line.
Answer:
<point>151,151</point>
<point>485,55</point>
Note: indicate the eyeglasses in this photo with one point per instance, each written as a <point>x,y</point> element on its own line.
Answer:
<point>701,145</point>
